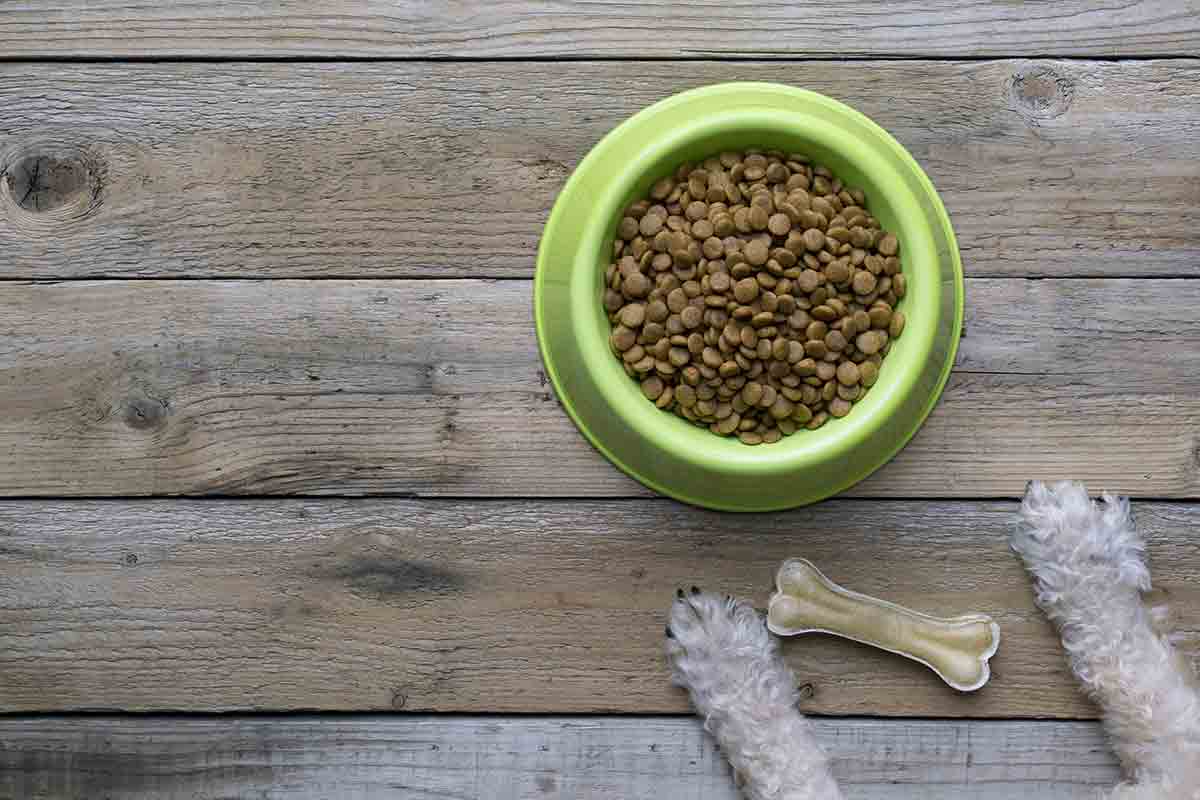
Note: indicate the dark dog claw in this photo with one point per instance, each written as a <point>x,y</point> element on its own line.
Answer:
<point>679,593</point>
<point>670,634</point>
<point>695,590</point>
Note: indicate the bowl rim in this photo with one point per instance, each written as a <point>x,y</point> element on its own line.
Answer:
<point>678,438</point>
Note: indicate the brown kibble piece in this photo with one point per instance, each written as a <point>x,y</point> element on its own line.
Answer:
<point>651,224</point>
<point>752,393</point>
<point>746,290</point>
<point>652,387</point>
<point>808,281</point>
<point>823,207</point>
<point>662,189</point>
<point>623,338</point>
<point>779,224</point>
<point>838,233</point>
<point>741,219</point>
<point>897,325</point>
<point>825,313</point>
<point>864,282</point>
<point>848,373</point>
<point>814,240</point>
<point>633,315</point>
<point>657,311</point>
<point>782,408</point>
<point>888,245</point>
<point>838,272</point>
<point>756,252</point>
<point>769,395</point>
<point>835,341</point>
<point>636,285</point>
<point>762,319</point>
<point>686,395</point>
<point>728,425</point>
<point>869,342</point>
<point>628,229</point>
<point>759,218</point>
<point>839,407</point>
<point>868,372</point>
<point>723,225</point>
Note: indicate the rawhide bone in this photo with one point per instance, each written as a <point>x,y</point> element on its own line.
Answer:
<point>957,649</point>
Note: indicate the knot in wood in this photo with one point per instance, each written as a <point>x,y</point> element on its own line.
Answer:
<point>41,183</point>
<point>1039,92</point>
<point>142,413</point>
<point>46,184</point>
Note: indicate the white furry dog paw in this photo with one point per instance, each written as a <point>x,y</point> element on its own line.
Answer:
<point>1065,538</point>
<point>715,642</point>
<point>1089,569</point>
<point>721,652</point>
<point>711,637</point>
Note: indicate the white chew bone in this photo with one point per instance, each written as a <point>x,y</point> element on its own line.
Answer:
<point>957,649</point>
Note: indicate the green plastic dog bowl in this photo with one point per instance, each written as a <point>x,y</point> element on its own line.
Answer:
<point>665,452</point>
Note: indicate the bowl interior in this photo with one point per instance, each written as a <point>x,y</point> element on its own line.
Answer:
<point>888,199</point>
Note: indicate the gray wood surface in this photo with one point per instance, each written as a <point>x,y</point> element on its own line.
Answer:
<point>662,28</point>
<point>1048,168</point>
<point>499,605</point>
<point>394,176</point>
<point>505,758</point>
<point>435,388</point>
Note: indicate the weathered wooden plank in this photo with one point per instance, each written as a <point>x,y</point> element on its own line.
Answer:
<point>435,388</point>
<point>498,606</point>
<point>517,758</point>
<point>525,28</point>
<point>408,170</point>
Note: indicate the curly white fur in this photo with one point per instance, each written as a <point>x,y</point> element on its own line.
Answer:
<point>722,653</point>
<point>1089,572</point>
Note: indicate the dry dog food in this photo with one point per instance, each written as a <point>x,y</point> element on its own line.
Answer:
<point>753,294</point>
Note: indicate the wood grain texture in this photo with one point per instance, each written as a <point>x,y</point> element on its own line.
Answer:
<point>530,28</point>
<point>500,606</point>
<point>499,758</point>
<point>435,388</point>
<point>1048,168</point>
